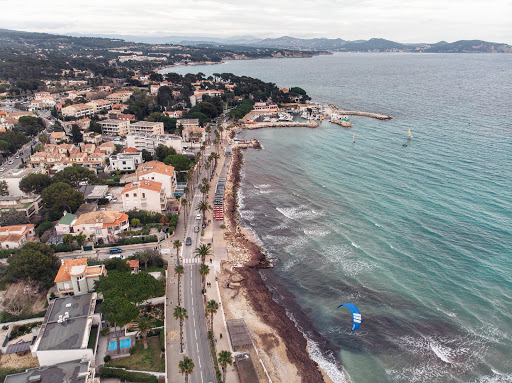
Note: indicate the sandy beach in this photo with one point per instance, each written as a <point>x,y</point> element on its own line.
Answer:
<point>280,346</point>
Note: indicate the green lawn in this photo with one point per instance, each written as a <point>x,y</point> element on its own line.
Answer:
<point>143,360</point>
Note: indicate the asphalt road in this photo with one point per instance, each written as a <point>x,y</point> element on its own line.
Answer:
<point>196,334</point>
<point>104,252</point>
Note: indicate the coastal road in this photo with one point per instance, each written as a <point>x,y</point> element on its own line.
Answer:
<point>196,333</point>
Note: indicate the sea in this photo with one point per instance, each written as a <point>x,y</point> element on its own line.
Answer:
<point>418,237</point>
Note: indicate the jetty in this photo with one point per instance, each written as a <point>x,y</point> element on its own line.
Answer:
<point>378,116</point>
<point>280,124</point>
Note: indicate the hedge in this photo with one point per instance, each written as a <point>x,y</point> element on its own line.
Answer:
<point>107,372</point>
<point>130,241</point>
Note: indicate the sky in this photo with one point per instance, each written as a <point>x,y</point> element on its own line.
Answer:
<point>399,20</point>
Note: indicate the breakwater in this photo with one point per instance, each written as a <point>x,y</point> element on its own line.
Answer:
<point>281,124</point>
<point>378,116</point>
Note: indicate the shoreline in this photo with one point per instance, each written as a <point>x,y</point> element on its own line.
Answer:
<point>245,275</point>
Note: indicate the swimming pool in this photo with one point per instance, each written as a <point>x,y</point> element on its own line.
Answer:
<point>124,343</point>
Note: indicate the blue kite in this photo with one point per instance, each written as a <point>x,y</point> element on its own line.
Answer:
<point>356,315</point>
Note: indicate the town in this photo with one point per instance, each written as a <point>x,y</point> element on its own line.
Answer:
<point>113,239</point>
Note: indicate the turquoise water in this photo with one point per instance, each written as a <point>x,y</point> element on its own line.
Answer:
<point>123,343</point>
<point>418,237</point>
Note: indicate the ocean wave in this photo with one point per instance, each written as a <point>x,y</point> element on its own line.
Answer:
<point>344,257</point>
<point>316,232</point>
<point>498,377</point>
<point>300,212</point>
<point>326,362</point>
<point>247,215</point>
<point>263,186</point>
<point>355,245</point>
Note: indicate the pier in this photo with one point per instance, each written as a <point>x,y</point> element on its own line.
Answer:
<point>281,124</point>
<point>378,116</point>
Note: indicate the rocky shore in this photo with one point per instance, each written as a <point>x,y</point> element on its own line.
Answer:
<point>282,347</point>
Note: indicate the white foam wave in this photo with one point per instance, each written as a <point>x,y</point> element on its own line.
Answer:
<point>356,245</point>
<point>300,212</point>
<point>326,363</point>
<point>376,224</point>
<point>265,191</point>
<point>441,351</point>
<point>247,214</point>
<point>344,257</point>
<point>498,377</point>
<point>316,232</point>
<point>263,186</point>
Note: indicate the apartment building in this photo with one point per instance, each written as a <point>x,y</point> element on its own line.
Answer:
<point>145,195</point>
<point>115,127</point>
<point>150,141</point>
<point>147,127</point>
<point>158,171</point>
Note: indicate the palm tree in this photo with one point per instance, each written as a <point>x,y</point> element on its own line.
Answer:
<point>186,367</point>
<point>202,251</point>
<point>143,325</point>
<point>203,208</point>
<point>225,358</point>
<point>204,270</point>
<point>177,245</point>
<point>179,270</point>
<point>184,203</point>
<point>207,167</point>
<point>180,313</point>
<point>211,308</point>
<point>204,181</point>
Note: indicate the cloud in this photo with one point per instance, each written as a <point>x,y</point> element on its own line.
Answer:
<point>412,21</point>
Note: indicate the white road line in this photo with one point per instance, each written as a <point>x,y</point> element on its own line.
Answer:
<point>199,357</point>
<point>197,344</point>
<point>195,332</point>
<point>201,376</point>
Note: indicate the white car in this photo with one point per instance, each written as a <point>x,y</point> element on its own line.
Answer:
<point>10,162</point>
<point>198,216</point>
<point>2,169</point>
<point>120,256</point>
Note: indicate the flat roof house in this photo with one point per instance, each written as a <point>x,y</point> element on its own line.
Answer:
<point>75,277</point>
<point>126,161</point>
<point>29,205</point>
<point>147,127</point>
<point>64,334</point>
<point>115,127</point>
<point>76,371</point>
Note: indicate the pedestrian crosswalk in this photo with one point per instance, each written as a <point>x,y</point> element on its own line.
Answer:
<point>190,261</point>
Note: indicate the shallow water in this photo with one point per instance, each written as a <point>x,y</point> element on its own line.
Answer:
<point>418,237</point>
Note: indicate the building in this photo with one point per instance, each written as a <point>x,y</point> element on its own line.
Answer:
<point>144,195</point>
<point>134,265</point>
<point>64,225</point>
<point>264,107</point>
<point>93,192</point>
<point>150,141</point>
<point>104,225</point>
<point>147,127</point>
<point>106,148</point>
<point>187,122</point>
<point>119,97</point>
<point>174,113</point>
<point>126,161</point>
<point>194,134</point>
<point>29,205</point>
<point>57,137</point>
<point>78,110</point>
<point>100,105</point>
<point>158,171</point>
<point>76,371</point>
<point>13,237</point>
<point>66,329</point>
<point>115,127</point>
<point>75,277</point>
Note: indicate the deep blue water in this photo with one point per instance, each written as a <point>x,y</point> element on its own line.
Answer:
<point>418,237</point>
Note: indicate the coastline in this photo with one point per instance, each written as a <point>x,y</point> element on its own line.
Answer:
<point>286,352</point>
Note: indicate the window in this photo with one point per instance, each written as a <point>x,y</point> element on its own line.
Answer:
<point>135,194</point>
<point>127,195</point>
<point>143,195</point>
<point>98,231</point>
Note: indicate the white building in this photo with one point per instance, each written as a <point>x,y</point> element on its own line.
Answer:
<point>144,195</point>
<point>13,237</point>
<point>75,277</point>
<point>160,172</point>
<point>125,161</point>
<point>115,127</point>
<point>78,110</point>
<point>147,127</point>
<point>151,141</point>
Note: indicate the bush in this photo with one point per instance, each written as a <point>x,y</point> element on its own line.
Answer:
<point>105,331</point>
<point>123,375</point>
<point>63,247</point>
<point>43,227</point>
<point>107,358</point>
<point>6,253</point>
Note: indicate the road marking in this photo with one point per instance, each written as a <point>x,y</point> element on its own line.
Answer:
<point>197,345</point>
<point>201,376</point>
<point>195,332</point>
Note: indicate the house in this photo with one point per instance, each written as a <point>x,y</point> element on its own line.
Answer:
<point>76,277</point>
<point>78,110</point>
<point>13,237</point>
<point>126,161</point>
<point>193,134</point>
<point>76,371</point>
<point>100,105</point>
<point>118,128</point>
<point>147,127</point>
<point>264,107</point>
<point>66,329</point>
<point>65,224</point>
<point>78,158</point>
<point>188,122</point>
<point>145,195</point>
<point>88,148</point>
<point>94,161</point>
<point>104,225</point>
<point>28,205</point>
<point>57,137</point>
<point>160,172</point>
<point>119,97</point>
<point>93,192</point>
<point>134,265</point>
<point>174,113</point>
<point>106,148</point>
<point>150,141</point>
<point>92,138</point>
<point>153,89</point>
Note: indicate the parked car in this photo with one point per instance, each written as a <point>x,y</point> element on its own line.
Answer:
<point>114,199</point>
<point>188,241</point>
<point>196,229</point>
<point>198,216</point>
<point>120,256</point>
<point>10,162</point>
<point>18,156</point>
<point>115,250</point>
<point>2,169</point>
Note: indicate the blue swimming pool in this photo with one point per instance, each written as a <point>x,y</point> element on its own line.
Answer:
<point>124,343</point>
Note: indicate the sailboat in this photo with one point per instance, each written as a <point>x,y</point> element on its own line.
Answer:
<point>409,133</point>
<point>354,138</point>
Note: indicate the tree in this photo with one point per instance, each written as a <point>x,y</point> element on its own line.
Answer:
<point>143,256</point>
<point>204,270</point>
<point>34,262</point>
<point>136,288</point>
<point>203,208</point>
<point>143,325</point>
<point>135,222</point>
<point>12,217</point>
<point>43,138</point>
<point>80,239</point>
<point>4,188</point>
<point>179,270</point>
<point>177,245</point>
<point>60,195</point>
<point>161,152</point>
<point>146,156</point>
<point>75,174</point>
<point>179,161</point>
<point>186,367</point>
<point>211,308</point>
<point>76,134</point>
<point>184,203</point>
<point>180,313</point>
<point>95,127</point>
<point>120,311</point>
<point>225,358</point>
<point>202,251</point>
<point>34,183</point>
<point>31,126</point>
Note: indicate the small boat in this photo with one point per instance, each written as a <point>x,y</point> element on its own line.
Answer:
<point>354,138</point>
<point>409,136</point>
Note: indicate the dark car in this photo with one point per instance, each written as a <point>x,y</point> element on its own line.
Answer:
<point>188,241</point>
<point>115,250</point>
